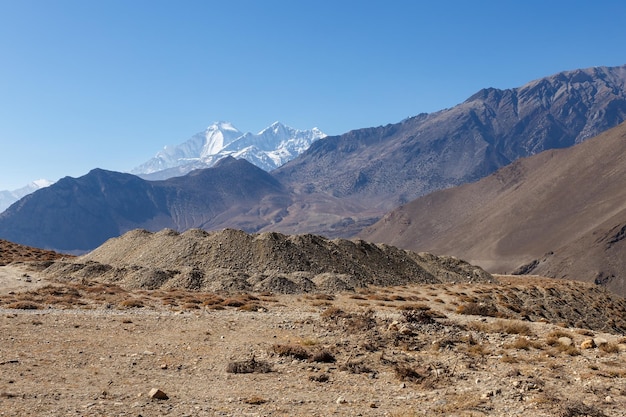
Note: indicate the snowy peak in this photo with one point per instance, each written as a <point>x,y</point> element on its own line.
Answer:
<point>268,149</point>
<point>9,197</point>
<point>217,136</point>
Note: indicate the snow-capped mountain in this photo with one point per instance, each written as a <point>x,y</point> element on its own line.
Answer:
<point>9,197</point>
<point>268,149</point>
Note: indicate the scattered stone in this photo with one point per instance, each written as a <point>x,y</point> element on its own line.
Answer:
<point>587,344</point>
<point>157,394</point>
<point>341,400</point>
<point>565,341</point>
<point>600,341</point>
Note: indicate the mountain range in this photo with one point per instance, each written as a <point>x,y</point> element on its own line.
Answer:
<point>340,184</point>
<point>268,149</point>
<point>561,213</point>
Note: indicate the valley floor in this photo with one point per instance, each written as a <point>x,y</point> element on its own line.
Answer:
<point>91,349</point>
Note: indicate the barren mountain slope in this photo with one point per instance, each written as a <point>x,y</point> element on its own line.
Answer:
<point>386,166</point>
<point>534,206</point>
<point>13,252</point>
<point>79,214</point>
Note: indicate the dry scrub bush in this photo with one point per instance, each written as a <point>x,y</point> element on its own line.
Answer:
<point>422,316</point>
<point>609,348</point>
<point>248,366</point>
<point>355,368</point>
<point>132,303</point>
<point>294,351</point>
<point>24,305</point>
<point>568,350</point>
<point>407,373</point>
<point>521,343</point>
<point>579,409</point>
<point>555,334</point>
<point>255,400</point>
<point>477,309</point>
<point>319,378</point>
<point>502,326</point>
<point>323,356</point>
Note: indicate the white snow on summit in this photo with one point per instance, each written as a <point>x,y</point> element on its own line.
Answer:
<point>9,197</point>
<point>268,149</point>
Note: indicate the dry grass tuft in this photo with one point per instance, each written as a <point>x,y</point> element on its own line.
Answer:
<point>248,367</point>
<point>407,373</point>
<point>477,309</point>
<point>323,356</point>
<point>24,305</point>
<point>294,351</point>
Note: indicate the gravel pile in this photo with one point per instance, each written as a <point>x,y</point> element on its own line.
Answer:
<point>232,260</point>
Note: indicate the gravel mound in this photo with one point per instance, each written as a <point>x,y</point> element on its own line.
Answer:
<point>233,261</point>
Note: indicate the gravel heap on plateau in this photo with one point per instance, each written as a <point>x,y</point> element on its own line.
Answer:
<point>232,260</point>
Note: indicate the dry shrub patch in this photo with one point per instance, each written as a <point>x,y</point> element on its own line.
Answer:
<point>578,409</point>
<point>407,373</point>
<point>294,351</point>
<point>132,303</point>
<point>248,367</point>
<point>609,348</point>
<point>323,356</point>
<point>319,378</point>
<point>502,326</point>
<point>478,309</point>
<point>24,305</point>
<point>355,368</point>
<point>255,400</point>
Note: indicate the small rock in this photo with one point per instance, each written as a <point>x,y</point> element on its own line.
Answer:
<point>600,341</point>
<point>341,400</point>
<point>565,341</point>
<point>157,394</point>
<point>608,399</point>
<point>621,347</point>
<point>487,395</point>
<point>373,405</point>
<point>163,366</point>
<point>587,344</point>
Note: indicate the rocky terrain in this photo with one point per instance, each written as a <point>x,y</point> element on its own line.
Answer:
<point>560,214</point>
<point>232,260</point>
<point>78,343</point>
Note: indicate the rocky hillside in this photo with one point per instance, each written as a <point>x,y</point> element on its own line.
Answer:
<point>560,213</point>
<point>79,214</point>
<point>13,252</point>
<point>390,165</point>
<point>232,260</point>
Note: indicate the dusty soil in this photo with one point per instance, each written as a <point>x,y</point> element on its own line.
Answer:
<point>450,340</point>
<point>97,349</point>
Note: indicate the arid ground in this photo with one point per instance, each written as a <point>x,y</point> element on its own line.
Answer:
<point>517,346</point>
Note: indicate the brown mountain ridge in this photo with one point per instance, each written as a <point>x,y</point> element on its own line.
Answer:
<point>561,213</point>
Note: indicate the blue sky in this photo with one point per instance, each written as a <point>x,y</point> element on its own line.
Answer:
<point>108,83</point>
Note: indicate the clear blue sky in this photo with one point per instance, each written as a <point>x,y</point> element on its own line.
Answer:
<point>108,83</point>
